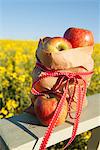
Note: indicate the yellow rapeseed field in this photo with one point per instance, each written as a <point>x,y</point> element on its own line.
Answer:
<point>17,59</point>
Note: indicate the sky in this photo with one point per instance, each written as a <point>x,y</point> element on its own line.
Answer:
<point>33,19</point>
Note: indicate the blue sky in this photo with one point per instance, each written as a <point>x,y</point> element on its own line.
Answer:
<point>32,19</point>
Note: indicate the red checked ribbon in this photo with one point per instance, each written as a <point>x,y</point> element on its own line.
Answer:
<point>68,76</point>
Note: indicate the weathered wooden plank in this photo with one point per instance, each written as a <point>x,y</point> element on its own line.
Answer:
<point>16,134</point>
<point>25,132</point>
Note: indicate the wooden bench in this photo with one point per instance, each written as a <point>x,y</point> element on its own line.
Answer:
<point>24,132</point>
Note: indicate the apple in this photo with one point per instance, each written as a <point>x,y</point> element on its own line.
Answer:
<point>56,44</point>
<point>45,106</point>
<point>52,46</point>
<point>79,37</point>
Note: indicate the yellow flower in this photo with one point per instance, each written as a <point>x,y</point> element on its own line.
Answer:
<point>87,137</point>
<point>84,134</point>
<point>14,75</point>
<point>21,78</point>
<point>2,56</point>
<point>14,104</point>
<point>1,95</point>
<point>1,116</point>
<point>18,58</point>
<point>89,134</point>
<point>8,104</point>
<point>97,70</point>
<point>8,46</point>
<point>11,104</point>
<point>24,57</point>
<point>18,70</point>
<point>18,89</point>
<point>4,111</point>
<point>10,68</point>
<point>27,90</point>
<point>9,115</point>
<point>5,83</point>
<point>2,70</point>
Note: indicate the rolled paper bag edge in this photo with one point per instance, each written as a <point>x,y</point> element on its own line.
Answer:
<point>88,49</point>
<point>68,58</point>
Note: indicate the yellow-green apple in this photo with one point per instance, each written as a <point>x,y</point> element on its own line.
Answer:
<point>50,47</point>
<point>45,107</point>
<point>79,37</point>
<point>57,44</point>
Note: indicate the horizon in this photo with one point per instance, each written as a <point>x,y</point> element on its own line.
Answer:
<point>32,20</point>
<point>30,40</point>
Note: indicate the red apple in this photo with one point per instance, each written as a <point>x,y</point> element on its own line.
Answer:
<point>79,37</point>
<point>45,107</point>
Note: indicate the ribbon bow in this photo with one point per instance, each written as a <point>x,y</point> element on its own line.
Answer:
<point>67,76</point>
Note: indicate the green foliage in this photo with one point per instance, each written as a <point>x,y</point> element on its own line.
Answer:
<point>80,143</point>
<point>17,59</point>
<point>95,81</point>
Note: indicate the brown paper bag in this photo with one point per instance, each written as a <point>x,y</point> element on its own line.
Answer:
<point>67,59</point>
<point>72,60</point>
